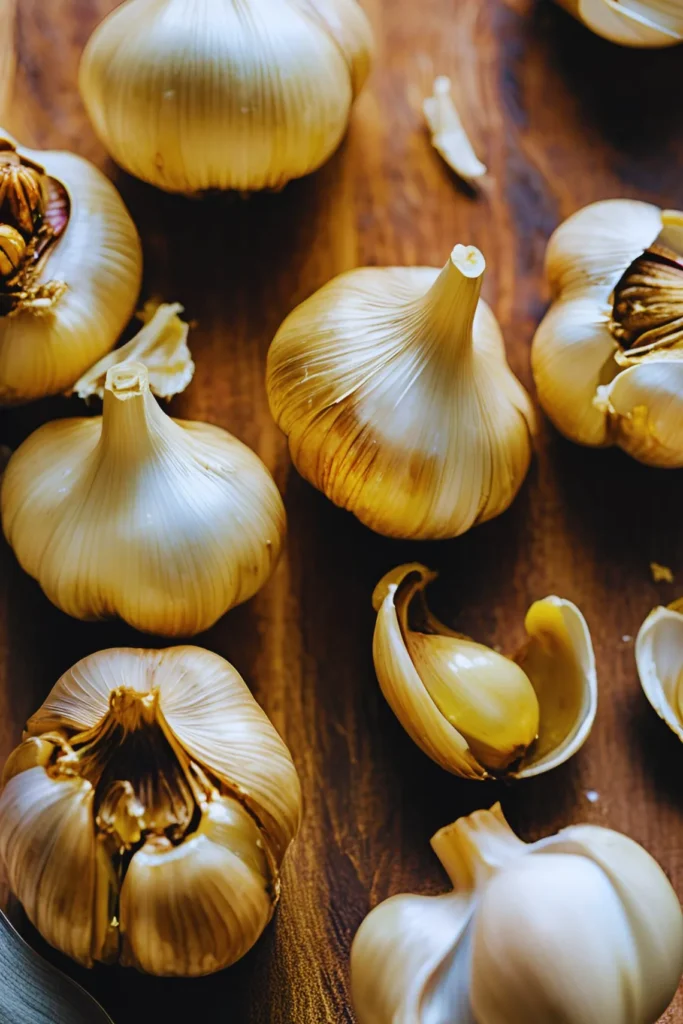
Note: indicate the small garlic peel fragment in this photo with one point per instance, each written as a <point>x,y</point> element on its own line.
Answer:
<point>449,137</point>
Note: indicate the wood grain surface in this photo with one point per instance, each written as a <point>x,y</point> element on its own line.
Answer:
<point>561,118</point>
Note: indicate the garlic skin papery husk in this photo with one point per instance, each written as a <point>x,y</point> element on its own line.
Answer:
<point>608,356</point>
<point>582,927</point>
<point>192,95</point>
<point>475,712</point>
<point>636,23</point>
<point>75,287</point>
<point>659,657</point>
<point>146,814</point>
<point>165,523</point>
<point>393,389</point>
<point>449,137</point>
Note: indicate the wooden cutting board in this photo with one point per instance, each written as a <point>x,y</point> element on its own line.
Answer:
<point>561,118</point>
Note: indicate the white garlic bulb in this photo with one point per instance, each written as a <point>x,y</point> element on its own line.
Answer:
<point>393,389</point>
<point>165,523</point>
<point>145,816</point>
<point>608,356</point>
<point>659,656</point>
<point>75,285</point>
<point>193,95</point>
<point>582,927</point>
<point>637,23</point>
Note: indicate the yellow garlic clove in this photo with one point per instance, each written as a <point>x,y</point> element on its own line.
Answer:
<point>224,96</point>
<point>394,392</point>
<point>12,250</point>
<point>659,656</point>
<point>473,711</point>
<point>656,23</point>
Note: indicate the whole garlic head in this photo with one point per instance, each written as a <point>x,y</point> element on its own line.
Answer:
<point>191,95</point>
<point>164,523</point>
<point>476,713</point>
<point>659,656</point>
<point>75,281</point>
<point>146,814</point>
<point>582,927</point>
<point>608,356</point>
<point>637,23</point>
<point>393,389</point>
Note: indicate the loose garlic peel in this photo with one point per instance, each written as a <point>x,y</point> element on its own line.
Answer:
<point>659,656</point>
<point>79,274</point>
<point>394,392</point>
<point>449,137</point>
<point>608,356</point>
<point>637,23</point>
<point>217,95</point>
<point>164,523</point>
<point>146,814</point>
<point>582,927</point>
<point>476,713</point>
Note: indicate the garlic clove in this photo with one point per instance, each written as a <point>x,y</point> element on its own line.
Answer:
<point>659,656</point>
<point>161,345</point>
<point>633,23</point>
<point>449,137</point>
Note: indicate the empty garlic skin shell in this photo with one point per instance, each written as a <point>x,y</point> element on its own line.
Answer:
<point>164,523</point>
<point>146,814</point>
<point>191,95</point>
<point>596,392</point>
<point>659,657</point>
<point>99,260</point>
<point>394,392</point>
<point>636,23</point>
<point>582,927</point>
<point>476,713</point>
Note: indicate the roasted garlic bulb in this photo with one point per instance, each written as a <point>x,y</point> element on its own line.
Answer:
<point>393,389</point>
<point>659,656</point>
<point>608,356</point>
<point>476,713</point>
<point>193,95</point>
<point>145,816</point>
<point>582,927</point>
<point>637,23</point>
<point>70,270</point>
<point>165,523</point>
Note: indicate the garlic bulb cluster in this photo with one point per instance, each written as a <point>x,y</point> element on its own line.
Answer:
<point>608,356</point>
<point>394,392</point>
<point>475,712</point>
<point>582,927</point>
<point>637,23</point>
<point>70,270</point>
<point>659,656</point>
<point>191,95</point>
<point>145,816</point>
<point>164,523</point>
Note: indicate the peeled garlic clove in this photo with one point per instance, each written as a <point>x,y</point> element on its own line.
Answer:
<point>224,96</point>
<point>473,711</point>
<point>163,522</point>
<point>76,287</point>
<point>654,23</point>
<point>582,927</point>
<point>394,392</point>
<point>449,137</point>
<point>644,409</point>
<point>659,656</point>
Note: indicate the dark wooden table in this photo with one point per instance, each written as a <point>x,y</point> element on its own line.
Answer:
<point>562,118</point>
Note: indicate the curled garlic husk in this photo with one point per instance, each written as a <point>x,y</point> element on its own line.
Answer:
<point>72,287</point>
<point>393,389</point>
<point>475,712</point>
<point>636,23</point>
<point>582,927</point>
<point>659,657</point>
<point>449,137</point>
<point>608,356</point>
<point>146,814</point>
<point>165,523</point>
<point>191,95</point>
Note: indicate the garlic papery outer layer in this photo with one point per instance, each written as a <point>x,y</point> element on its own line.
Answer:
<point>146,814</point>
<point>582,927</point>
<point>449,137</point>
<point>476,713</point>
<point>193,95</point>
<point>394,392</point>
<point>608,356</point>
<point>164,523</point>
<point>659,656</point>
<point>77,287</point>
<point>637,23</point>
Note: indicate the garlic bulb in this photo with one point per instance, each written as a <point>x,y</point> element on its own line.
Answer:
<point>637,23</point>
<point>146,814</point>
<point>476,713</point>
<point>69,285</point>
<point>191,95</point>
<point>582,927</point>
<point>394,391</point>
<point>608,356</point>
<point>659,656</point>
<point>165,523</point>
